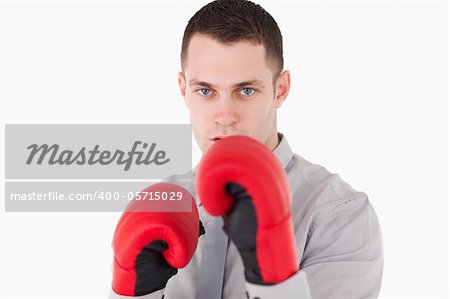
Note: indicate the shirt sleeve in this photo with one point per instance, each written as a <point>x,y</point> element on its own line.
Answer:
<point>295,286</point>
<point>344,255</point>
<point>155,295</point>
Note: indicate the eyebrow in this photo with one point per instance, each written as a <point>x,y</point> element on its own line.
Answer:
<point>255,82</point>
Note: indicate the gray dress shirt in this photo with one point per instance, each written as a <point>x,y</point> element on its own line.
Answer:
<point>337,233</point>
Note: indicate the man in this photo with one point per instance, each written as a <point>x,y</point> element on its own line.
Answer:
<point>232,82</point>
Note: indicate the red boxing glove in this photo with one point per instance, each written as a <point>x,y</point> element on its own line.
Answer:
<point>149,247</point>
<point>240,178</point>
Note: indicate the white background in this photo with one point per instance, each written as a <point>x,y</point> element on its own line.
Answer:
<point>368,101</point>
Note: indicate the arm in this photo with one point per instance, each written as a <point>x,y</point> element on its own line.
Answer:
<point>149,247</point>
<point>344,255</point>
<point>295,286</point>
<point>249,188</point>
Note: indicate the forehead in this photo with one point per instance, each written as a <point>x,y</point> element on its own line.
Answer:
<point>212,61</point>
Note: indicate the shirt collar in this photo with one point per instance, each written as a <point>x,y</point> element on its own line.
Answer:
<point>283,151</point>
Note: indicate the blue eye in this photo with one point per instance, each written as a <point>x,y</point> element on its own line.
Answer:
<point>247,91</point>
<point>204,92</point>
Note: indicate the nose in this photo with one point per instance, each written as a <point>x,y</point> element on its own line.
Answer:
<point>226,113</point>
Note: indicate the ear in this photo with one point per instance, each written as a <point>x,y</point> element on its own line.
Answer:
<point>182,84</point>
<point>282,87</point>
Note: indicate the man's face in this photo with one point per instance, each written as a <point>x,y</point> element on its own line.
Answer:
<point>229,90</point>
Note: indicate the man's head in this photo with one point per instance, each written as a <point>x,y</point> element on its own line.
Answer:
<point>232,79</point>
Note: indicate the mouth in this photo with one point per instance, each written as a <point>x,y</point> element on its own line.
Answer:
<point>217,138</point>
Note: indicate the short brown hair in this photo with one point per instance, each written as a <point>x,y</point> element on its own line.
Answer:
<point>230,21</point>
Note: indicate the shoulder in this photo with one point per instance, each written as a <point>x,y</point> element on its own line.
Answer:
<point>332,220</point>
<point>337,233</point>
<point>322,198</point>
<point>319,186</point>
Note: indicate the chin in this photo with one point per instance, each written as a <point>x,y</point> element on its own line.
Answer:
<point>206,145</point>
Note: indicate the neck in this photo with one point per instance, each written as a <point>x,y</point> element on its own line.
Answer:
<point>273,141</point>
